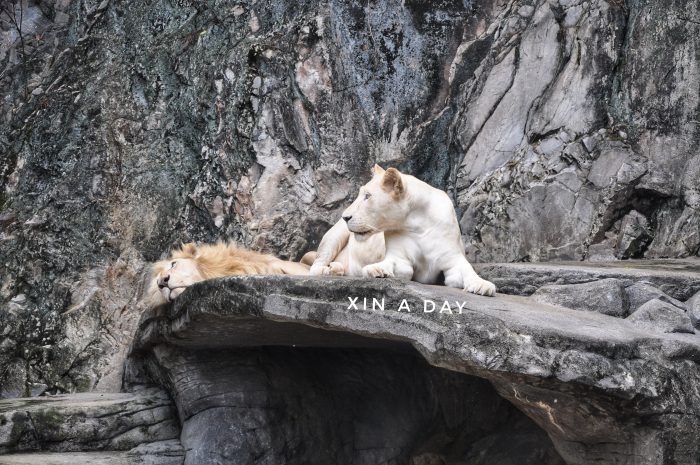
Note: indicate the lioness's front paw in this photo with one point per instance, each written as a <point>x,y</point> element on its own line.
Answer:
<point>316,270</point>
<point>336,269</point>
<point>376,271</point>
<point>480,286</point>
<point>332,269</point>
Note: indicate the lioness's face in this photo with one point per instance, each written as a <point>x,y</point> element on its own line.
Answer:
<point>379,205</point>
<point>175,277</point>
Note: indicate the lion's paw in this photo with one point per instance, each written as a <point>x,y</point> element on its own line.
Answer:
<point>376,271</point>
<point>480,286</point>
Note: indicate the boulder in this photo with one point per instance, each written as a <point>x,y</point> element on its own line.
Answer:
<point>640,293</point>
<point>657,315</point>
<point>605,296</point>
<point>693,306</point>
<point>634,236</point>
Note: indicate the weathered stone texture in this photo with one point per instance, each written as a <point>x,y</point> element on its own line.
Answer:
<point>657,315</point>
<point>605,296</point>
<point>278,363</point>
<point>85,422</point>
<point>138,428</point>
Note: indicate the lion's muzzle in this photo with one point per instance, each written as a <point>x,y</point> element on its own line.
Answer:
<point>163,281</point>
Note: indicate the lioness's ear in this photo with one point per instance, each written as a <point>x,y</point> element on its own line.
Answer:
<point>391,182</point>
<point>377,170</point>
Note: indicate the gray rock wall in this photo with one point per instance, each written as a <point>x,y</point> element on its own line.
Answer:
<point>562,129</point>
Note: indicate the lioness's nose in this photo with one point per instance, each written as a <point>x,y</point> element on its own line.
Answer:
<point>347,218</point>
<point>163,281</point>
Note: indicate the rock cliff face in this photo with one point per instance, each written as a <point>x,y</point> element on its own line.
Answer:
<point>562,130</point>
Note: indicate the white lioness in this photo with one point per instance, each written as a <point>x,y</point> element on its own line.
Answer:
<point>400,227</point>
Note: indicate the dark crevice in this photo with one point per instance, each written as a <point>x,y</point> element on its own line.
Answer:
<point>535,138</point>
<point>645,201</point>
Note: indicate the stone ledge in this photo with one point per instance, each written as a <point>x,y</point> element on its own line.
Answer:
<point>679,278</point>
<point>169,453</point>
<point>588,379</point>
<point>87,422</point>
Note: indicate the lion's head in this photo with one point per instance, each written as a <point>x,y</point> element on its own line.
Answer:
<point>193,263</point>
<point>169,278</point>
<point>379,205</point>
<point>173,278</point>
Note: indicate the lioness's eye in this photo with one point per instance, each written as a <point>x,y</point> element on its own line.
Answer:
<point>367,195</point>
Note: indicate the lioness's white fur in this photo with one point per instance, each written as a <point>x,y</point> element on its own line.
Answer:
<point>400,227</point>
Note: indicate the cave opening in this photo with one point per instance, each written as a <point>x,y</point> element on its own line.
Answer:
<point>354,406</point>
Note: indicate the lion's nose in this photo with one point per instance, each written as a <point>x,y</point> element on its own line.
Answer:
<point>347,218</point>
<point>163,281</point>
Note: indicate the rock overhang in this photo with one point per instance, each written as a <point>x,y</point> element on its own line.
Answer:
<point>505,334</point>
<point>584,377</point>
<point>310,311</point>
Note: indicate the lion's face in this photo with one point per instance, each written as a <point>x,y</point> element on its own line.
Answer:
<point>379,206</point>
<point>176,275</point>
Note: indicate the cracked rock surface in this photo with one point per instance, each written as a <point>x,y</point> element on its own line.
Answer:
<point>606,296</point>
<point>138,428</point>
<point>253,356</point>
<point>562,129</point>
<point>86,422</point>
<point>173,456</point>
<point>676,278</point>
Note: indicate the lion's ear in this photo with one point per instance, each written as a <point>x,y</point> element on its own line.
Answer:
<point>189,250</point>
<point>392,182</point>
<point>377,170</point>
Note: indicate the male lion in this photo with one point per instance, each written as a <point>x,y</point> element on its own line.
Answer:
<point>400,227</point>
<point>193,263</point>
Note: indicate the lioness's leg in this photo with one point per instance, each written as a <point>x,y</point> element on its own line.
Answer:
<point>463,276</point>
<point>331,245</point>
<point>390,267</point>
